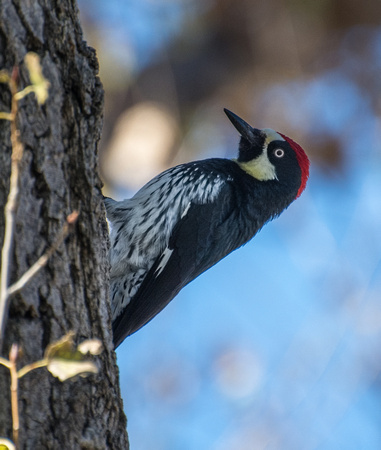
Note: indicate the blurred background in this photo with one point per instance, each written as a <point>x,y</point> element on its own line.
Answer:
<point>278,346</point>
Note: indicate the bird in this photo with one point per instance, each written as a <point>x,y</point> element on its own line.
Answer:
<point>190,216</point>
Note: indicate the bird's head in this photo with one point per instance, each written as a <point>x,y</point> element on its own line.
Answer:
<point>267,155</point>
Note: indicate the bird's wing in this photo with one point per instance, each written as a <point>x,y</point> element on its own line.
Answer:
<point>194,245</point>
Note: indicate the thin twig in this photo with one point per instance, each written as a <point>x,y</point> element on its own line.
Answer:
<point>28,368</point>
<point>41,262</point>
<point>6,116</point>
<point>13,354</point>
<point>5,362</point>
<point>10,207</point>
<point>21,94</point>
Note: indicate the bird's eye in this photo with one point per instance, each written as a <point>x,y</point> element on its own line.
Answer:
<point>279,153</point>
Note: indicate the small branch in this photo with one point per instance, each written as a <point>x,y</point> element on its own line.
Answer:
<point>5,362</point>
<point>6,116</point>
<point>28,368</point>
<point>13,354</point>
<point>24,92</point>
<point>41,262</point>
<point>40,86</point>
<point>10,207</point>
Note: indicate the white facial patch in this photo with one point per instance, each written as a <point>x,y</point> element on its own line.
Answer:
<point>261,168</point>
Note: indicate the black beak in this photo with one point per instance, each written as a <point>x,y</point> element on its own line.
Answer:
<point>243,128</point>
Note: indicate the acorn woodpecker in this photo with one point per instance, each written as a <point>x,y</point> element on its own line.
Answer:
<point>191,216</point>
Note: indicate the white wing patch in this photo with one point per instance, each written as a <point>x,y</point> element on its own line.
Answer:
<point>149,217</point>
<point>185,211</point>
<point>163,261</point>
<point>141,226</point>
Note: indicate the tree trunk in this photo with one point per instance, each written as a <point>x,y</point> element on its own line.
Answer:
<point>59,174</point>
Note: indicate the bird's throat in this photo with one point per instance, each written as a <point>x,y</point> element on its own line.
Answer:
<point>259,168</point>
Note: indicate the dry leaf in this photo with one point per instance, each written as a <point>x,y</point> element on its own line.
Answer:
<point>64,369</point>
<point>92,346</point>
<point>39,82</point>
<point>63,348</point>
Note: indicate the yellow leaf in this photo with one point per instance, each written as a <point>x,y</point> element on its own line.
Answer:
<point>4,76</point>
<point>63,348</point>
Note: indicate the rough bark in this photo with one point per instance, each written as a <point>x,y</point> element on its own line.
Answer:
<point>59,174</point>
